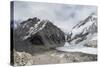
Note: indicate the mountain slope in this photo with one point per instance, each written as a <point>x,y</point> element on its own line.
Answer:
<point>83,31</point>
<point>40,32</point>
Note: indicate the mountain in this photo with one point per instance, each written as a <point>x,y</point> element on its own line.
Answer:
<point>39,32</point>
<point>82,37</point>
<point>82,32</point>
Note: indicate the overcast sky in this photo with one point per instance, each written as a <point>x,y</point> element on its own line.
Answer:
<point>62,15</point>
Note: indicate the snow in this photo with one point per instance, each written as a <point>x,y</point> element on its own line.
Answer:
<point>36,25</point>
<point>87,50</point>
<point>83,28</point>
<point>94,37</point>
<point>34,29</point>
<point>26,37</point>
<point>43,26</point>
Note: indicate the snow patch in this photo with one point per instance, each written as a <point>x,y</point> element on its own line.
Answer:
<point>87,50</point>
<point>35,29</point>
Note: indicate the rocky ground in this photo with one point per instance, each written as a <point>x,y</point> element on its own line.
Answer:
<point>50,56</point>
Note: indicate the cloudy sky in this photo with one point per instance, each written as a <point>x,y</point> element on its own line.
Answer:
<point>63,15</point>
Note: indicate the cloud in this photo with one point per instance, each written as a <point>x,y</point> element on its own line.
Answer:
<point>62,15</point>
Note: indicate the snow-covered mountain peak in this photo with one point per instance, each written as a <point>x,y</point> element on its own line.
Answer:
<point>83,30</point>
<point>92,18</point>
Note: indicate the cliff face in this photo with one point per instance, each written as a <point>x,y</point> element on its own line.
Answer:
<point>37,32</point>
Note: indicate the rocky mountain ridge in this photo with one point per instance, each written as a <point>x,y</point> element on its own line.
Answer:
<point>40,32</point>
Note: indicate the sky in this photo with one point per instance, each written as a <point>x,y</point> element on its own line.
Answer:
<point>64,16</point>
